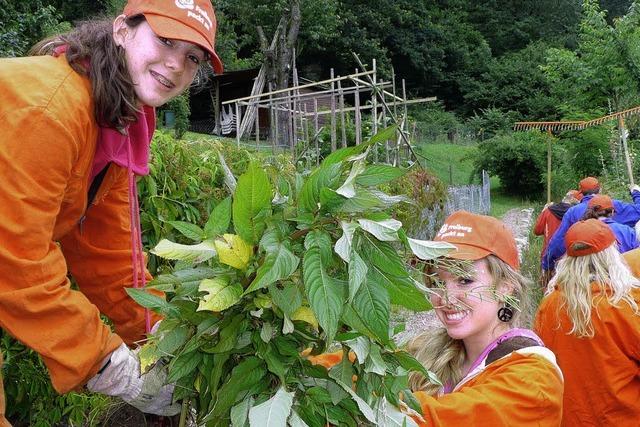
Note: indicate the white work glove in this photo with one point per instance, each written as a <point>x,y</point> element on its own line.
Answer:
<point>121,377</point>
<point>633,188</point>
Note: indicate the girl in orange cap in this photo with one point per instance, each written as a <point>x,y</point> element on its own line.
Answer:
<point>494,373</point>
<point>77,120</point>
<point>590,319</point>
<point>601,207</point>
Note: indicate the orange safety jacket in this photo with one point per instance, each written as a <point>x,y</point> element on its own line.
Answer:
<point>633,260</point>
<point>47,142</point>
<point>602,374</point>
<point>523,388</point>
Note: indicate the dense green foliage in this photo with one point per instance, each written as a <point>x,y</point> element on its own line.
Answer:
<point>314,262</point>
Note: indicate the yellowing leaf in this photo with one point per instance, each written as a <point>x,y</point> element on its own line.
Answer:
<point>305,314</point>
<point>148,355</point>
<point>233,251</point>
<point>220,294</point>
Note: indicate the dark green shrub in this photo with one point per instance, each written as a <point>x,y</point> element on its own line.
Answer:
<point>519,159</point>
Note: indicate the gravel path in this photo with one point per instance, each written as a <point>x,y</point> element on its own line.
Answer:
<point>520,222</point>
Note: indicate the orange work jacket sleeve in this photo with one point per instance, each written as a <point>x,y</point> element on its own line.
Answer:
<point>37,306</point>
<point>98,254</point>
<point>541,223</point>
<point>518,390</point>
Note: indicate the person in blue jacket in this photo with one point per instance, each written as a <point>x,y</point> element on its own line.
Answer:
<point>601,207</point>
<point>624,213</point>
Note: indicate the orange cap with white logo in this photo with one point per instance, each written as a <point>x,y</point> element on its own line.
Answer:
<point>476,236</point>
<point>193,21</point>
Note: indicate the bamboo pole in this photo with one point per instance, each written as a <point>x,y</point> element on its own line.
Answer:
<point>257,126</point>
<point>315,130</point>
<point>358,121</point>
<point>333,114</point>
<point>550,135</point>
<point>405,122</point>
<point>374,108</point>
<point>627,158</point>
<point>384,125</point>
<point>342,121</point>
<point>238,119</point>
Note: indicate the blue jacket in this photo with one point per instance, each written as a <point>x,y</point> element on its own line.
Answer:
<point>625,213</point>
<point>625,235</point>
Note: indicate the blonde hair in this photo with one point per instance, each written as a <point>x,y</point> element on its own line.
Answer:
<point>574,277</point>
<point>443,355</point>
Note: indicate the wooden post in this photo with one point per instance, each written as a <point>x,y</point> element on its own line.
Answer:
<point>238,120</point>
<point>356,105</point>
<point>305,126</point>
<point>396,153</point>
<point>289,115</point>
<point>333,115</point>
<point>384,125</point>
<point>405,120</point>
<point>257,126</point>
<point>374,109</point>
<point>550,135</point>
<point>315,129</point>
<point>272,124</point>
<point>623,137</point>
<point>342,121</point>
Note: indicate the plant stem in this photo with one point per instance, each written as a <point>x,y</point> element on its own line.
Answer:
<point>183,414</point>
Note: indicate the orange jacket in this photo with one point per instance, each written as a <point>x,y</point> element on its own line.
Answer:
<point>47,143</point>
<point>523,388</point>
<point>602,374</point>
<point>546,225</point>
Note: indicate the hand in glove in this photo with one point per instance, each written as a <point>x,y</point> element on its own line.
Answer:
<point>121,377</point>
<point>633,188</point>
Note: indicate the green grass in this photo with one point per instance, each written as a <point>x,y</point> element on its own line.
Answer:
<point>452,163</point>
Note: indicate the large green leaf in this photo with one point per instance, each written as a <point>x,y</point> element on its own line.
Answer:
<point>343,371</point>
<point>240,413</point>
<point>153,302</point>
<point>277,265</point>
<point>357,274</point>
<point>378,174</point>
<point>187,275</point>
<point>364,201</point>
<point>384,230</point>
<point>348,189</point>
<point>410,363</point>
<point>344,153</point>
<point>371,301</point>
<point>288,299</point>
<point>326,296</point>
<point>188,230</point>
<point>183,365</point>
<point>173,340</point>
<point>323,177</point>
<point>390,416</point>
<point>322,240</point>
<point>401,290</point>
<point>219,220</point>
<point>188,253</point>
<point>343,245</point>
<point>429,249</point>
<point>383,255</point>
<point>250,202</point>
<point>362,404</point>
<point>274,412</point>
<point>220,294</point>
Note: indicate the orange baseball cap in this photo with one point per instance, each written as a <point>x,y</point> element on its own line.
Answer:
<point>193,21</point>
<point>575,194</point>
<point>588,237</point>
<point>601,201</point>
<point>588,184</point>
<point>476,236</point>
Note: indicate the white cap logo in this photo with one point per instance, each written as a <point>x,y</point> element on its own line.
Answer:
<point>185,4</point>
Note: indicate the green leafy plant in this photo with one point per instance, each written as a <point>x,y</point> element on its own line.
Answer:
<point>285,269</point>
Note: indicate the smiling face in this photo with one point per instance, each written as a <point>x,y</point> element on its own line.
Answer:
<point>467,304</point>
<point>160,68</point>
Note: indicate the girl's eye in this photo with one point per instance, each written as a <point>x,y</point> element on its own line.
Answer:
<point>165,41</point>
<point>195,59</point>
<point>465,281</point>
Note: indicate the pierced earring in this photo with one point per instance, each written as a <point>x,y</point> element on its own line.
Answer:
<point>505,313</point>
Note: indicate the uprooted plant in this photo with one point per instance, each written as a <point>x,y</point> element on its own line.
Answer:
<point>286,269</point>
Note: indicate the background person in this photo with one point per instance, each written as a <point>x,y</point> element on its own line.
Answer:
<point>625,213</point>
<point>77,122</point>
<point>590,320</point>
<point>601,208</point>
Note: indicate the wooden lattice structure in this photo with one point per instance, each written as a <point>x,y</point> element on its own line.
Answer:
<point>296,116</point>
<point>561,126</point>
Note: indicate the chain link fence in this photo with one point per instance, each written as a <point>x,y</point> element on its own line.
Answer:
<point>474,198</point>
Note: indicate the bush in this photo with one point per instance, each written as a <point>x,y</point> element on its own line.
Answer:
<point>519,159</point>
<point>491,122</point>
